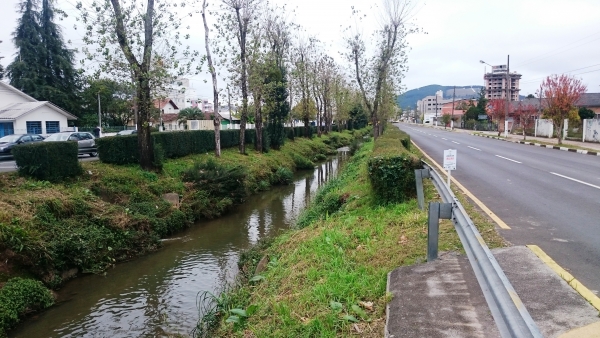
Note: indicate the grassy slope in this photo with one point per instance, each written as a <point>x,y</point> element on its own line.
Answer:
<point>112,213</point>
<point>343,259</point>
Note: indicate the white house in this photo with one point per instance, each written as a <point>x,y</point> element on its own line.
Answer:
<point>22,114</point>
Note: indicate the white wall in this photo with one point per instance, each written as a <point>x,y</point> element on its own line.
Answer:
<point>41,114</point>
<point>544,128</point>
<point>591,130</point>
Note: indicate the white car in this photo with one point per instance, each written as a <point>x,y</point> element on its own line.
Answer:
<point>85,141</point>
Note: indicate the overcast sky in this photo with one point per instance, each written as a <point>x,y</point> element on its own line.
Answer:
<point>542,37</point>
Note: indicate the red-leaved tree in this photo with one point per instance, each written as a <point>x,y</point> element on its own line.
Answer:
<point>561,92</point>
<point>497,111</point>
<point>524,114</point>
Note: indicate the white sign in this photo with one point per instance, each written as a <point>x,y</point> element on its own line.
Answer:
<point>450,159</point>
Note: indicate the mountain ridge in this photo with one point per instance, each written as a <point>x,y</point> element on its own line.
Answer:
<point>408,100</point>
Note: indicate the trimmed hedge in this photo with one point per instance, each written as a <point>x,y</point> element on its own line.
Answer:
<point>20,296</point>
<point>392,167</point>
<point>49,161</point>
<point>124,149</point>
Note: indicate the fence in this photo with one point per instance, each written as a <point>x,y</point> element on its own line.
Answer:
<point>591,130</point>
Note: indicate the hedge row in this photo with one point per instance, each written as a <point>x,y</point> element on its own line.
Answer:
<point>124,149</point>
<point>49,161</point>
<point>392,167</point>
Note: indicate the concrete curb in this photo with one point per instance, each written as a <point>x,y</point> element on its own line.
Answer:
<point>579,151</point>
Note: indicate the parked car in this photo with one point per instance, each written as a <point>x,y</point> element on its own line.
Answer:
<point>85,141</point>
<point>126,132</point>
<point>9,141</point>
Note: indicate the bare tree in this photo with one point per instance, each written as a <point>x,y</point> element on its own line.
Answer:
<point>213,73</point>
<point>388,64</point>
<point>243,13</point>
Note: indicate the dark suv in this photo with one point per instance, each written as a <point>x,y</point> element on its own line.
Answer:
<point>9,141</point>
<point>85,141</point>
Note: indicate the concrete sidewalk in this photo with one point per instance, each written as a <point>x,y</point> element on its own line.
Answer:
<point>443,299</point>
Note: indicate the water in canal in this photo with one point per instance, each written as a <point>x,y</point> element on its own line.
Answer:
<point>153,295</point>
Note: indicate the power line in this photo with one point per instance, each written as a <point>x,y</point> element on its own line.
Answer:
<point>552,51</point>
<point>570,71</point>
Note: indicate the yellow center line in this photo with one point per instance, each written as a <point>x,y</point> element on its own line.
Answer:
<point>574,283</point>
<point>480,204</point>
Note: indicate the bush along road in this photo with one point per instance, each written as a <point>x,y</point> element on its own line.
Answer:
<point>102,213</point>
<point>327,277</point>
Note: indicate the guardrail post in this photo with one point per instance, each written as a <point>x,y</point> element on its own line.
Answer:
<point>437,211</point>
<point>420,174</point>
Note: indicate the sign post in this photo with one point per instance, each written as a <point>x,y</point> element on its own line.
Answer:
<point>449,162</point>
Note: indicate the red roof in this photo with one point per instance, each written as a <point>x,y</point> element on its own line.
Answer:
<point>160,104</point>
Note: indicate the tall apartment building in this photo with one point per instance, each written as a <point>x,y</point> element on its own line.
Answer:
<point>496,84</point>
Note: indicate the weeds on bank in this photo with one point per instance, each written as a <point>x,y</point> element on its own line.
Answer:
<point>330,277</point>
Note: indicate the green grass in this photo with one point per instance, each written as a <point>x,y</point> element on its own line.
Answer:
<point>328,279</point>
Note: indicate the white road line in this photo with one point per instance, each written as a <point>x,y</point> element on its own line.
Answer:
<point>506,158</point>
<point>444,139</point>
<point>474,148</point>
<point>455,142</point>
<point>578,181</point>
<point>434,136</point>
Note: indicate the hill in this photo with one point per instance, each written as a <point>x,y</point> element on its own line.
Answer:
<point>409,99</point>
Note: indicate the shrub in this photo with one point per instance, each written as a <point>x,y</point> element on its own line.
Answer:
<point>283,175</point>
<point>49,161</point>
<point>302,162</point>
<point>20,296</point>
<point>218,180</point>
<point>391,168</point>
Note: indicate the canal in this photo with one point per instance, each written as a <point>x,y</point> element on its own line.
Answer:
<point>155,295</point>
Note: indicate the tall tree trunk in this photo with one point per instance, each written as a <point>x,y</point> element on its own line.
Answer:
<point>213,73</point>
<point>145,145</point>
<point>243,28</point>
<point>258,145</point>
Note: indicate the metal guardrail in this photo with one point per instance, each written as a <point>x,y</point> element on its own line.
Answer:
<point>510,315</point>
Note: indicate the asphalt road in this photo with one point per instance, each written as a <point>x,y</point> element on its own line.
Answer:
<point>549,198</point>
<point>8,165</point>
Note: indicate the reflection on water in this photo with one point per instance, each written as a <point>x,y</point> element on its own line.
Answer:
<point>156,294</point>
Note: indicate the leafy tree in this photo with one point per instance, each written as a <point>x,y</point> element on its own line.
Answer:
<point>497,110</point>
<point>43,67</point>
<point>277,107</point>
<point>116,100</point>
<point>531,96</point>
<point>213,73</point>
<point>585,113</point>
<point>358,117</point>
<point>446,118</point>
<point>1,72</point>
<point>525,113</point>
<point>472,113</point>
<point>139,41</point>
<point>189,114</point>
<point>561,93</point>
<point>482,103</point>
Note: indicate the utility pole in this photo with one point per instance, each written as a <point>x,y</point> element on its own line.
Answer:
<point>452,118</point>
<point>508,94</point>
<point>99,116</point>
<point>436,105</point>
<point>229,104</point>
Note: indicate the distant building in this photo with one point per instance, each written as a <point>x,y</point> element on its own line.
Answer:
<point>496,84</point>
<point>431,107</point>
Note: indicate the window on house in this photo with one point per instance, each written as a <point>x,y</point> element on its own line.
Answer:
<point>52,127</point>
<point>34,127</point>
<point>6,129</point>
